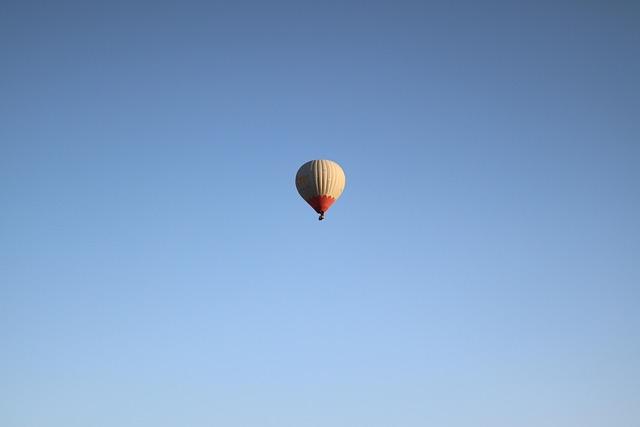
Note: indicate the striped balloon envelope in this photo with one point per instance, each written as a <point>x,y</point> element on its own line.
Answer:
<point>320,183</point>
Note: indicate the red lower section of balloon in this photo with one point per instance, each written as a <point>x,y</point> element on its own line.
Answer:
<point>321,203</point>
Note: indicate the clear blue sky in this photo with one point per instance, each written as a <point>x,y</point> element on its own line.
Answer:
<point>158,268</point>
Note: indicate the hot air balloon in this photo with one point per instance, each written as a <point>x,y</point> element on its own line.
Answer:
<point>320,183</point>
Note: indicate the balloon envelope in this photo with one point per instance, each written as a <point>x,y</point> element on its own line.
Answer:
<point>320,183</point>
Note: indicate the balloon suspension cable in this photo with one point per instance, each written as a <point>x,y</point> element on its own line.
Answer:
<point>321,216</point>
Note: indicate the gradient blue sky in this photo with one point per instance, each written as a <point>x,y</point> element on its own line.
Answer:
<point>157,267</point>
